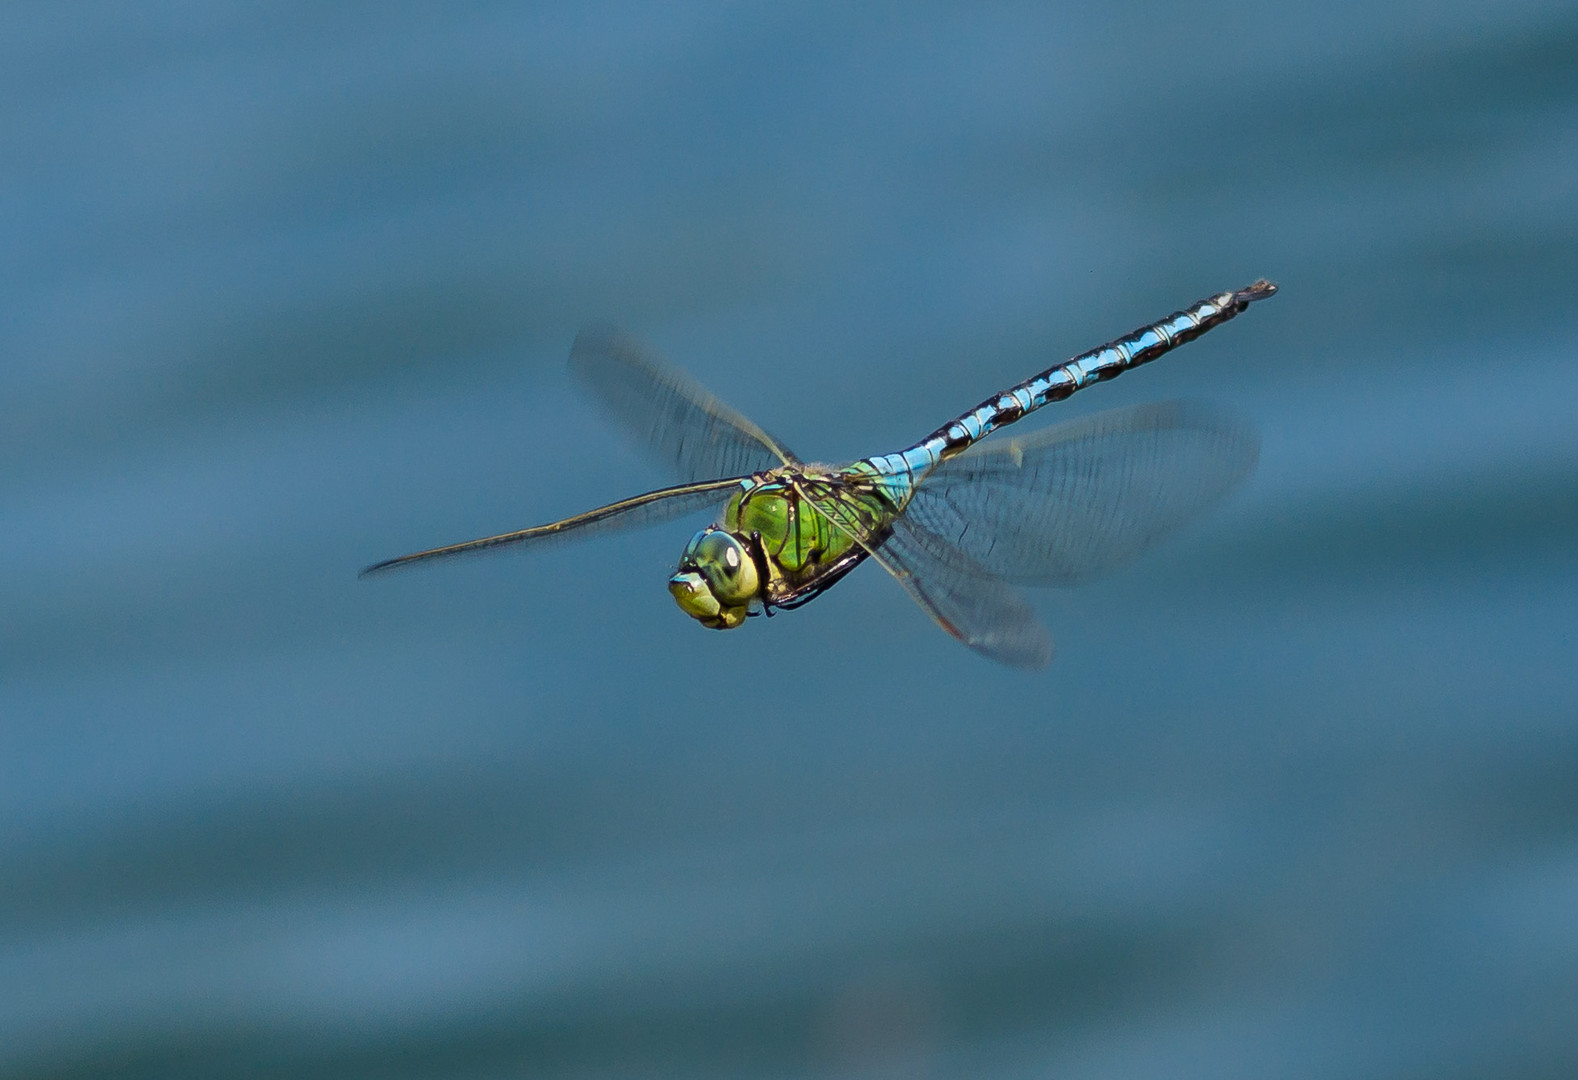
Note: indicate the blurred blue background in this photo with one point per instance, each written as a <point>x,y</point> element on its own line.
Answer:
<point>289,288</point>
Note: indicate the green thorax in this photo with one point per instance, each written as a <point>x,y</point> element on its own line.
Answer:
<point>794,537</point>
<point>799,544</point>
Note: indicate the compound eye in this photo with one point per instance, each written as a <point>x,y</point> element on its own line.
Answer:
<point>727,566</point>
<point>688,557</point>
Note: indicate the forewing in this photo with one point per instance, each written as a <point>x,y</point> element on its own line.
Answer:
<point>1060,505</point>
<point>669,412</point>
<point>965,599</point>
<point>653,508</point>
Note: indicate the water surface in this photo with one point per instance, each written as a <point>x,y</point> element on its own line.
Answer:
<point>289,289</point>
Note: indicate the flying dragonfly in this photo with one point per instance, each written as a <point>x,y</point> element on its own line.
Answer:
<point>958,522</point>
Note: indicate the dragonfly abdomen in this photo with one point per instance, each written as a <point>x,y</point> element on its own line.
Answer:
<point>1056,383</point>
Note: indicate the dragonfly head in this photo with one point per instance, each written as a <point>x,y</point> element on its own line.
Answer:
<point>717,579</point>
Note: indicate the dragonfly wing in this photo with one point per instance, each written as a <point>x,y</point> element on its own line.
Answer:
<point>968,601</point>
<point>672,414</point>
<point>1060,505</point>
<point>653,508</point>
<point>975,606</point>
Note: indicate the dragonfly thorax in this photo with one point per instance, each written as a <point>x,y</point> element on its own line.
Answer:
<point>717,579</point>
<point>770,549</point>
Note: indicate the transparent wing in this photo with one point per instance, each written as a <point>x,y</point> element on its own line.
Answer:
<point>965,599</point>
<point>653,508</point>
<point>1060,505</point>
<point>696,434</point>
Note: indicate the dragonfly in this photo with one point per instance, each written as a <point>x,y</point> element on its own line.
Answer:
<point>961,523</point>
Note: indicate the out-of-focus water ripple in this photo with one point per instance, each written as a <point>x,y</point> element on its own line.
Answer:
<point>289,288</point>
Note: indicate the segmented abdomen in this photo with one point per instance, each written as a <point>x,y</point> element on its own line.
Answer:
<point>1142,346</point>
